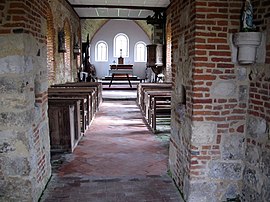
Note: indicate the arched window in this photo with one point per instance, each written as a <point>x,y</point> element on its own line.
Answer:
<point>121,44</point>
<point>140,52</point>
<point>101,51</point>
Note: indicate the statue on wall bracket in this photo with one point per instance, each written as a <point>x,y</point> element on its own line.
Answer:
<point>247,18</point>
<point>61,41</point>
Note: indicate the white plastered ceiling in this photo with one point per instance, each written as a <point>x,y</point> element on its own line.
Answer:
<point>137,9</point>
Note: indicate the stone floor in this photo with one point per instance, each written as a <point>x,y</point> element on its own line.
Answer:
<point>118,160</point>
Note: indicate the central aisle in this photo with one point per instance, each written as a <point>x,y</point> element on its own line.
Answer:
<point>118,159</point>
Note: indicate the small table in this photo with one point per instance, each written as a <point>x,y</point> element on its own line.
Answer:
<point>114,72</point>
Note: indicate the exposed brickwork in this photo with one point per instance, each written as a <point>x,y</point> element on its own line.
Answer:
<point>212,99</point>
<point>259,104</point>
<point>259,113</point>
<point>67,71</point>
<point>65,64</point>
<point>51,46</point>
<point>182,27</point>
<point>24,17</point>
<point>34,24</point>
<point>168,73</point>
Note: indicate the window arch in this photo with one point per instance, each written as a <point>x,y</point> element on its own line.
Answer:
<point>101,51</point>
<point>140,52</point>
<point>121,42</point>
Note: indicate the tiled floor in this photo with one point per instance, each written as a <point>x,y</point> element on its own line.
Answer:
<point>118,160</point>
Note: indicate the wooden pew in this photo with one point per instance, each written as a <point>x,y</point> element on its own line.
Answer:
<point>148,94</point>
<point>96,85</point>
<point>90,93</point>
<point>161,109</point>
<point>81,117</point>
<point>63,124</point>
<point>149,104</point>
<point>88,113</point>
<point>154,99</point>
<point>149,86</point>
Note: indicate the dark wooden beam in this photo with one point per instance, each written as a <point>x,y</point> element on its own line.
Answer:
<point>119,6</point>
<point>116,18</point>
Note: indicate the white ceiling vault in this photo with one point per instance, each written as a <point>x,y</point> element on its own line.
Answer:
<point>118,9</point>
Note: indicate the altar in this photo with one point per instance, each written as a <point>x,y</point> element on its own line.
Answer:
<point>115,68</point>
<point>121,69</point>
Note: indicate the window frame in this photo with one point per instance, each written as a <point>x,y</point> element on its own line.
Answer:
<point>135,52</point>
<point>97,52</point>
<point>115,52</point>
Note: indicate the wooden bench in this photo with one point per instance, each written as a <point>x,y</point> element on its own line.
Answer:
<point>145,86</point>
<point>96,85</point>
<point>150,87</point>
<point>161,109</point>
<point>82,116</point>
<point>154,101</point>
<point>64,124</point>
<point>148,101</point>
<point>75,92</point>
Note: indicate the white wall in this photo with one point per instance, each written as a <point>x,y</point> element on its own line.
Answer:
<point>107,34</point>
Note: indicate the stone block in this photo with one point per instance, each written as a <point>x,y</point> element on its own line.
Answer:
<point>203,192</point>
<point>225,170</point>
<point>243,93</point>
<point>23,189</point>
<point>232,147</point>
<point>249,194</point>
<point>10,137</point>
<point>180,110</point>
<point>232,192</point>
<point>16,101</point>
<point>203,133</point>
<point>256,128</point>
<point>265,190</point>
<point>265,164</point>
<point>242,73</point>
<point>15,85</point>
<point>253,179</point>
<point>6,147</point>
<point>19,119</point>
<point>13,44</point>
<point>18,166</point>
<point>221,89</point>
<point>173,156</point>
<point>6,137</point>
<point>41,86</point>
<point>16,64</point>
<point>252,155</point>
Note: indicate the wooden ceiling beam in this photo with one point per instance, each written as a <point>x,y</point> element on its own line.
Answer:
<point>119,7</point>
<point>114,18</point>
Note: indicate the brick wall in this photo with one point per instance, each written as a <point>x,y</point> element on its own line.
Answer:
<point>23,17</point>
<point>168,73</point>
<point>26,165</point>
<point>51,46</point>
<point>24,132</point>
<point>65,64</point>
<point>67,71</point>
<point>208,132</point>
<point>182,31</point>
<point>256,173</point>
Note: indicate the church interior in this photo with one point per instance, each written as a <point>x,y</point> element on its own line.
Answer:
<point>203,66</point>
